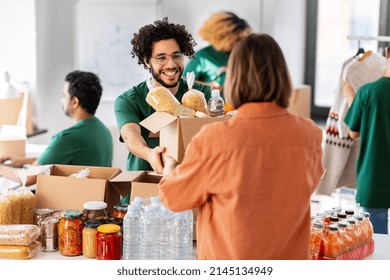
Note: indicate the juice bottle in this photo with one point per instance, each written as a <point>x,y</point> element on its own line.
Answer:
<point>333,244</point>
<point>367,225</point>
<point>316,240</point>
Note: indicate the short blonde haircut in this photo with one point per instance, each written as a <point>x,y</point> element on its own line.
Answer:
<point>257,72</point>
<point>223,30</point>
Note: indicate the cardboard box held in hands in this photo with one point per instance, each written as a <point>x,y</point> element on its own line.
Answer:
<point>176,132</point>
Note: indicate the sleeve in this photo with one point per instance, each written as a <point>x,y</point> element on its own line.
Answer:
<point>59,151</point>
<point>354,116</point>
<point>125,112</point>
<point>185,187</point>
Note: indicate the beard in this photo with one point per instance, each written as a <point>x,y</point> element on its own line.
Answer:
<point>157,77</point>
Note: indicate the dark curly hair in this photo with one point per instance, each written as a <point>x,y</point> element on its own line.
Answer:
<point>161,30</point>
<point>86,87</point>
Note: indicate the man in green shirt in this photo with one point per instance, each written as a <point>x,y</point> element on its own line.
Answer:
<point>160,47</point>
<point>368,118</point>
<point>88,142</point>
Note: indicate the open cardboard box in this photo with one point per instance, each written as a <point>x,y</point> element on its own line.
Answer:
<point>300,101</point>
<point>12,140</point>
<point>175,132</point>
<point>58,191</point>
<point>141,183</point>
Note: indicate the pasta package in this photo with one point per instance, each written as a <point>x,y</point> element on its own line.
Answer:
<point>162,100</point>
<point>19,252</point>
<point>18,234</point>
<point>194,99</point>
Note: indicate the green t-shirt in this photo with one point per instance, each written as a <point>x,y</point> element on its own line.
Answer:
<point>206,63</point>
<point>370,115</point>
<point>88,142</point>
<point>131,107</point>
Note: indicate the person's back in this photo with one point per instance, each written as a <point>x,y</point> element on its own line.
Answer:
<point>252,176</point>
<point>88,142</point>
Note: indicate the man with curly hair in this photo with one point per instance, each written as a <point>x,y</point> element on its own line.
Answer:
<point>160,47</point>
<point>222,30</point>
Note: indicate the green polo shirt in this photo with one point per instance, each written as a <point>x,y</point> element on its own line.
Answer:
<point>88,142</point>
<point>370,115</point>
<point>131,107</point>
<point>206,63</point>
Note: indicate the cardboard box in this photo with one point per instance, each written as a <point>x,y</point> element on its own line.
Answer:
<point>60,192</point>
<point>300,101</point>
<point>175,132</point>
<point>141,183</point>
<point>11,109</point>
<point>12,140</point>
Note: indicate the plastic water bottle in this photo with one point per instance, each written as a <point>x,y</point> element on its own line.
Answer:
<point>216,105</point>
<point>165,245</point>
<point>182,235</point>
<point>149,233</point>
<point>139,203</point>
<point>131,234</point>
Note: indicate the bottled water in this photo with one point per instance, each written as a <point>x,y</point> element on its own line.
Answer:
<point>138,202</point>
<point>216,105</point>
<point>182,235</point>
<point>131,234</point>
<point>165,245</point>
<point>149,233</point>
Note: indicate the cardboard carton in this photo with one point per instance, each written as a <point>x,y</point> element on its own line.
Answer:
<point>60,192</point>
<point>12,140</point>
<point>300,101</point>
<point>141,183</point>
<point>175,132</point>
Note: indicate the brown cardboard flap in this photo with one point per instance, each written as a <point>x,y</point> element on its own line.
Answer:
<point>157,121</point>
<point>10,173</point>
<point>13,147</point>
<point>9,110</point>
<point>55,193</point>
<point>95,172</point>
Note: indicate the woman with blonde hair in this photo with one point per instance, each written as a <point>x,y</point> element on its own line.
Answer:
<point>222,30</point>
<point>251,176</point>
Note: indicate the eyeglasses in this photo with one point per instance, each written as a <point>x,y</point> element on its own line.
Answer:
<point>163,59</point>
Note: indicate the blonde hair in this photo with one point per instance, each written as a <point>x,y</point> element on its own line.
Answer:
<point>257,72</point>
<point>223,30</point>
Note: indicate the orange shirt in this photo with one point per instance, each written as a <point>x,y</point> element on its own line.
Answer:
<point>251,178</point>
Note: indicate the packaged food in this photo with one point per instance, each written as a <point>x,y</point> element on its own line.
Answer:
<point>162,100</point>
<point>19,252</point>
<point>194,99</point>
<point>95,210</point>
<point>5,210</point>
<point>70,233</point>
<point>109,242</point>
<point>27,205</point>
<point>18,234</point>
<point>16,202</point>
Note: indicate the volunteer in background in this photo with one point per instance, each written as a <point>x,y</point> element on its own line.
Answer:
<point>368,118</point>
<point>160,47</point>
<point>88,141</point>
<point>222,30</point>
<point>253,195</point>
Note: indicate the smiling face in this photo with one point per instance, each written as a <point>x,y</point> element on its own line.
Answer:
<point>168,74</point>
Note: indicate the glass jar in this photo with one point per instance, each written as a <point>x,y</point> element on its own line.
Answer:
<point>108,242</point>
<point>345,238</point>
<point>89,238</point>
<point>95,210</point>
<point>120,210</point>
<point>70,233</point>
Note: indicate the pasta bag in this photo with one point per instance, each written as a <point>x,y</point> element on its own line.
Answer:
<point>162,100</point>
<point>5,210</point>
<point>27,207</point>
<point>16,204</point>
<point>194,99</point>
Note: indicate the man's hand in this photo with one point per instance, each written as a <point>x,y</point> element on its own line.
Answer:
<point>14,161</point>
<point>348,92</point>
<point>155,159</point>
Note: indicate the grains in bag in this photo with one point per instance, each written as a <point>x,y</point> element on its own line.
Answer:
<point>194,99</point>
<point>162,100</point>
<point>19,252</point>
<point>18,234</point>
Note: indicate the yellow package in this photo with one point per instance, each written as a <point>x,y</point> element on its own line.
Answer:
<point>19,252</point>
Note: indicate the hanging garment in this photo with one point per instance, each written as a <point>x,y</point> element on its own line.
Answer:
<point>340,152</point>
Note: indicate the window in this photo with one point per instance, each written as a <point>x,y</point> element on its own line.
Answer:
<point>329,25</point>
